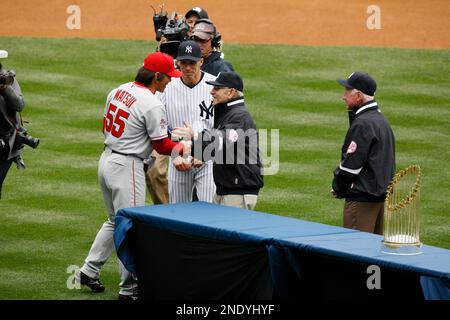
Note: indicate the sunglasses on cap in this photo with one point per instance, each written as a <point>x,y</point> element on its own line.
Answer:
<point>197,39</point>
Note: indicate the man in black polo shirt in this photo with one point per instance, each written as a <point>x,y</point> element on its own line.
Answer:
<point>368,157</point>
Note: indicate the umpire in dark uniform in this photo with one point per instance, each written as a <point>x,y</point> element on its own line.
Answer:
<point>11,104</point>
<point>368,157</point>
<point>233,144</point>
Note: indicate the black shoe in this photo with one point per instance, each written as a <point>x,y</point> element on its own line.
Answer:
<point>92,283</point>
<point>123,297</point>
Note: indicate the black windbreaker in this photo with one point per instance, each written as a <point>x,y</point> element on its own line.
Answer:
<point>233,144</point>
<point>368,156</point>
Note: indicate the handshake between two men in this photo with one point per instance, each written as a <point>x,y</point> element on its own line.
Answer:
<point>185,135</point>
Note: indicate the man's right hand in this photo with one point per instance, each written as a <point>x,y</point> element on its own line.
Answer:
<point>182,164</point>
<point>163,40</point>
<point>186,132</point>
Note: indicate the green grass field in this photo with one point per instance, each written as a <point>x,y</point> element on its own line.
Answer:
<point>51,212</point>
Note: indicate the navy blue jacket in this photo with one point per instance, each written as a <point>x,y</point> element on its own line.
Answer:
<point>234,143</point>
<point>368,157</point>
<point>214,64</point>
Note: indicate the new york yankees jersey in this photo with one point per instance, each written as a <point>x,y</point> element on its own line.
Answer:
<point>193,105</point>
<point>133,117</point>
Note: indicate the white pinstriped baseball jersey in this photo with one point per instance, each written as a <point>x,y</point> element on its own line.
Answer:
<point>194,105</point>
<point>133,116</point>
<point>191,104</point>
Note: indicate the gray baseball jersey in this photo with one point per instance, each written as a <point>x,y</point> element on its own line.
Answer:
<point>194,105</point>
<point>133,117</point>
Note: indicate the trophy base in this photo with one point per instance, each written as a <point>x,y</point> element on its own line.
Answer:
<point>404,249</point>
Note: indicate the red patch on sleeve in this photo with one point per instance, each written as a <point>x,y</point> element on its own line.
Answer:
<point>352,147</point>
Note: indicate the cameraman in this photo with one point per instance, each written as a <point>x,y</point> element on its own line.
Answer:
<point>192,16</point>
<point>209,40</point>
<point>176,29</point>
<point>11,103</point>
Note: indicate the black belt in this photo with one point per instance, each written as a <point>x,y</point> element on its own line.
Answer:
<point>114,151</point>
<point>126,155</point>
<point>122,154</point>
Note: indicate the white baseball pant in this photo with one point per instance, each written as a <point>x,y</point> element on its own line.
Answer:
<point>181,183</point>
<point>122,182</point>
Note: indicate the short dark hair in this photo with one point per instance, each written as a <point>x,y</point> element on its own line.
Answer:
<point>144,76</point>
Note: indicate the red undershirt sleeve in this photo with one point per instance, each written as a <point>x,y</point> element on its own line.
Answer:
<point>165,146</point>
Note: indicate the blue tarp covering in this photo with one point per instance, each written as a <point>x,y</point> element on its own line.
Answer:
<point>366,247</point>
<point>238,225</point>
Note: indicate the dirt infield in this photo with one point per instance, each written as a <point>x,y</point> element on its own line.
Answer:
<point>404,24</point>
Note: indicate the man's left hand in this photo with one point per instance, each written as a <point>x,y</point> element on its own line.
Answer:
<point>335,194</point>
<point>186,132</point>
<point>196,163</point>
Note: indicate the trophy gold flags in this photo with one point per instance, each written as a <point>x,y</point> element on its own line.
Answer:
<point>401,213</point>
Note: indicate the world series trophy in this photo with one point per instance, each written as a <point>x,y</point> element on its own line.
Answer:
<point>401,213</point>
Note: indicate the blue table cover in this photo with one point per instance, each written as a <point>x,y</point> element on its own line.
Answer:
<point>239,225</point>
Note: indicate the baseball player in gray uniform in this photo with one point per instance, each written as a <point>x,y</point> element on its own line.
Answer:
<point>188,99</point>
<point>134,123</point>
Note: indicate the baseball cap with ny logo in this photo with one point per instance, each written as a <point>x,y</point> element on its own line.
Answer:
<point>189,50</point>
